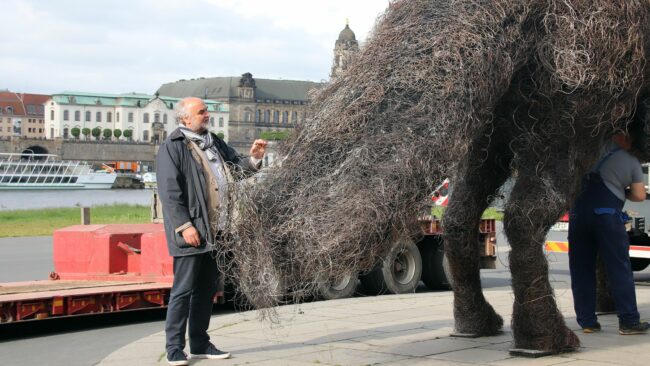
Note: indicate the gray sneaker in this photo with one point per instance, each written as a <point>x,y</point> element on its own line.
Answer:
<point>638,328</point>
<point>212,353</point>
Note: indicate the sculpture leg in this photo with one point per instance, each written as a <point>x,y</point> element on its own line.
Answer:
<point>481,176</point>
<point>534,206</point>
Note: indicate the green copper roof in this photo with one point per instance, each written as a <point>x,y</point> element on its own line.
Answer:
<point>135,100</point>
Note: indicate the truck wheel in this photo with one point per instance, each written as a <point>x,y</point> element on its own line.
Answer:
<point>435,273</point>
<point>639,264</point>
<point>338,289</point>
<point>398,273</point>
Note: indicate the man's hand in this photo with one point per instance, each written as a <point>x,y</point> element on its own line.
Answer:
<point>258,149</point>
<point>191,236</point>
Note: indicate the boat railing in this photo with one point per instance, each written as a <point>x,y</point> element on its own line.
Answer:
<point>37,168</point>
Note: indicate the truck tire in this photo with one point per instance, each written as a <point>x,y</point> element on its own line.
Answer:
<point>639,264</point>
<point>398,273</point>
<point>338,289</point>
<point>639,238</point>
<point>435,272</point>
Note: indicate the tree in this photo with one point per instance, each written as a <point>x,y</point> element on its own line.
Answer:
<point>75,131</point>
<point>221,135</point>
<point>96,132</point>
<point>107,133</point>
<point>117,133</point>
<point>128,134</point>
<point>274,135</point>
<point>85,131</point>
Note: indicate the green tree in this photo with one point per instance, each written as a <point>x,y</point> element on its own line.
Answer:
<point>128,134</point>
<point>107,133</point>
<point>117,133</point>
<point>221,135</point>
<point>75,131</point>
<point>274,135</point>
<point>96,132</point>
<point>86,132</point>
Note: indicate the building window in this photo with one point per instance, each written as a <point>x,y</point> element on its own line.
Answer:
<point>77,116</point>
<point>145,135</point>
<point>130,117</point>
<point>220,121</point>
<point>31,109</point>
<point>65,133</point>
<point>211,121</point>
<point>98,116</point>
<point>117,116</point>
<point>52,132</point>
<point>66,115</point>
<point>276,116</point>
<point>165,118</point>
<point>87,116</point>
<point>294,116</point>
<point>285,117</point>
<point>267,116</point>
<point>10,110</point>
<point>109,116</point>
<point>247,116</point>
<point>145,119</point>
<point>156,117</point>
<point>257,115</point>
<point>52,115</point>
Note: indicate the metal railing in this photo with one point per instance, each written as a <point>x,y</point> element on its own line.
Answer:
<point>39,169</point>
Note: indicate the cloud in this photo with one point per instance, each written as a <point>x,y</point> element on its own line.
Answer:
<point>137,45</point>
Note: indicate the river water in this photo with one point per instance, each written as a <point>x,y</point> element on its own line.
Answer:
<point>34,199</point>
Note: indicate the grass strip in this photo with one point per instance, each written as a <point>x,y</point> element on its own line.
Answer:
<point>490,213</point>
<point>43,222</point>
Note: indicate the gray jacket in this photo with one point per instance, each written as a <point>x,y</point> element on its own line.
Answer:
<point>182,190</point>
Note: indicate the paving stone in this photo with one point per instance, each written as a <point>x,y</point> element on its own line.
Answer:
<point>432,347</point>
<point>339,356</point>
<point>473,355</point>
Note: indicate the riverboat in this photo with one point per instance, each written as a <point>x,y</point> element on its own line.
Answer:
<point>47,171</point>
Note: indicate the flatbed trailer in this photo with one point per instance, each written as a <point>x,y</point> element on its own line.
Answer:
<point>35,300</point>
<point>98,269</point>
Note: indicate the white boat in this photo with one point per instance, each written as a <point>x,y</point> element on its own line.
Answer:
<point>47,171</point>
<point>149,180</point>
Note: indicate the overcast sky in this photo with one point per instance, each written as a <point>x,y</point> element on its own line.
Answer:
<point>118,46</point>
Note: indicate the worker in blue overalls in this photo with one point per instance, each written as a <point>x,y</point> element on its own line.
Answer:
<point>597,224</point>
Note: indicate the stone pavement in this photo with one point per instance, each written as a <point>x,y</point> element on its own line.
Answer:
<point>408,329</point>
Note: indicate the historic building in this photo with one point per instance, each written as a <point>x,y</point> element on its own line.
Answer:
<point>344,48</point>
<point>21,114</point>
<point>257,106</point>
<point>149,117</point>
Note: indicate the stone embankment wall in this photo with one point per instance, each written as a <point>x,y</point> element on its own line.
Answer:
<point>93,151</point>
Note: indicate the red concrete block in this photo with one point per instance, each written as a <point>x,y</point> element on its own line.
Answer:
<point>92,251</point>
<point>155,261</point>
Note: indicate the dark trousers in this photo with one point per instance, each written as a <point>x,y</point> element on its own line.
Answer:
<point>190,300</point>
<point>604,233</point>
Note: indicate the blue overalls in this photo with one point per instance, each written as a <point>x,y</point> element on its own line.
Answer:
<point>596,224</point>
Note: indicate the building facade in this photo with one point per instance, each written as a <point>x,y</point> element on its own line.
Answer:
<point>150,118</point>
<point>21,115</point>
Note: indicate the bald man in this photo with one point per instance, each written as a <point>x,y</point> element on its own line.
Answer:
<point>193,169</point>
